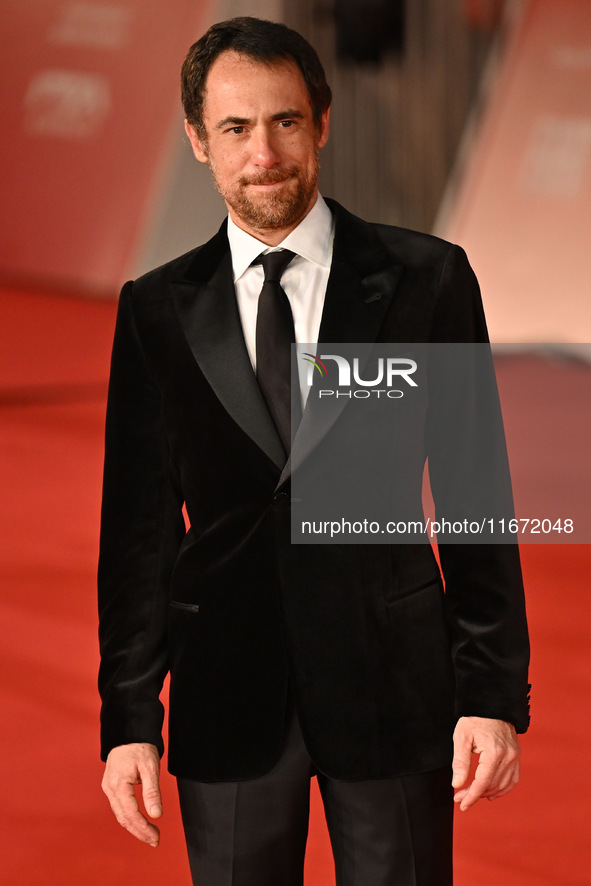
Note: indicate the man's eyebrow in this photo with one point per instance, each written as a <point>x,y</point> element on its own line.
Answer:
<point>232,121</point>
<point>289,113</point>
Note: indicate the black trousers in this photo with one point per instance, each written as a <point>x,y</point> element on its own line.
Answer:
<point>384,832</point>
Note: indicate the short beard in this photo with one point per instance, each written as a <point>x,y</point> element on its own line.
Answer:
<point>275,210</point>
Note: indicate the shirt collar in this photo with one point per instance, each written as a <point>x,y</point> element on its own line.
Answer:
<point>312,239</point>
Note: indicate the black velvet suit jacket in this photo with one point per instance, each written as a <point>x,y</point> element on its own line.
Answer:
<point>380,661</point>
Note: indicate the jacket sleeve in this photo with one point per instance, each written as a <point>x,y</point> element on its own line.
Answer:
<point>141,529</point>
<point>469,475</point>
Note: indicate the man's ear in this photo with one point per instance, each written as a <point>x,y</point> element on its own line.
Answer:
<point>324,127</point>
<point>198,147</point>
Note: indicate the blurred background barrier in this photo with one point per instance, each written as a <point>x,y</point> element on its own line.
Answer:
<point>89,98</point>
<point>521,205</point>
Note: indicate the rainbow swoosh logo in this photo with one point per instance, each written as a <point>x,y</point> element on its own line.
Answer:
<point>316,363</point>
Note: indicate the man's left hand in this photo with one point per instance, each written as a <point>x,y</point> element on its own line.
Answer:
<point>497,772</point>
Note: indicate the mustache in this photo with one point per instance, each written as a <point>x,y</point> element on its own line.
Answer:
<point>270,177</point>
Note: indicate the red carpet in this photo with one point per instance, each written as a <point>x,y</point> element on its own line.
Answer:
<point>55,823</point>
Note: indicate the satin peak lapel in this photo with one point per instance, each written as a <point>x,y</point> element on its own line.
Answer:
<point>361,286</point>
<point>206,305</point>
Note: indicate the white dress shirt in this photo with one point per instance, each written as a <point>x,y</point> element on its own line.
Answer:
<point>304,280</point>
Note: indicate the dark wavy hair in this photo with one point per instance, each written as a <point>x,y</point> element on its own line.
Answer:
<point>261,40</point>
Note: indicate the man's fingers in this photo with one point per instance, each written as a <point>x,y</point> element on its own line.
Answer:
<point>126,810</point>
<point>460,770</point>
<point>462,758</point>
<point>149,774</point>
<point>127,766</point>
<point>506,783</point>
<point>495,742</point>
<point>483,778</point>
<point>495,776</point>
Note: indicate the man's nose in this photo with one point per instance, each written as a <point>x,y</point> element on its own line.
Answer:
<point>265,152</point>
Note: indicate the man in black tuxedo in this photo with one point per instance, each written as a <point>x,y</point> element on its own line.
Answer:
<point>349,661</point>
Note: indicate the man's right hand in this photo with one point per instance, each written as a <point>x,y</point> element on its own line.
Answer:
<point>128,765</point>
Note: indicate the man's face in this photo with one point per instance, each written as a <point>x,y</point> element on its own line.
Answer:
<point>262,143</point>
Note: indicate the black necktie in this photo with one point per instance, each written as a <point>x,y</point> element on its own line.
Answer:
<point>274,336</point>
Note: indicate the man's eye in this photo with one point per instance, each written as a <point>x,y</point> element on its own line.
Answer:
<point>237,130</point>
<point>285,124</point>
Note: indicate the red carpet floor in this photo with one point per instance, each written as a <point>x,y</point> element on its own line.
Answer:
<point>55,824</point>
